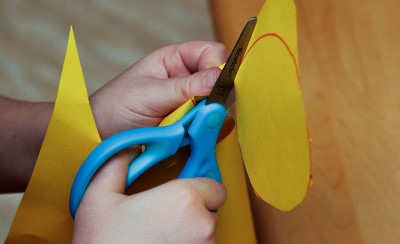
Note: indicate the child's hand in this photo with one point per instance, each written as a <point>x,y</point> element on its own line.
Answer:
<point>176,212</point>
<point>179,211</point>
<point>156,85</point>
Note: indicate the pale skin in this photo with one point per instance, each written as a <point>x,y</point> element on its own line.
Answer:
<point>179,211</point>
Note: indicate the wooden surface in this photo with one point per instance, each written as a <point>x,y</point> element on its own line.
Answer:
<point>350,67</point>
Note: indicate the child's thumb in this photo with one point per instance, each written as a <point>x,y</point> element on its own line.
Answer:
<point>197,84</point>
<point>111,177</point>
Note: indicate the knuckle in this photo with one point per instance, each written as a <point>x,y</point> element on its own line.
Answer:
<point>191,197</point>
<point>209,228</point>
<point>181,191</point>
<point>185,88</point>
<point>220,46</point>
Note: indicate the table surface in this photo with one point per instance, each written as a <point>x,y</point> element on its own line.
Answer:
<point>349,62</point>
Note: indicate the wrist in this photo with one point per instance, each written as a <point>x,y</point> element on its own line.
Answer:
<point>23,126</point>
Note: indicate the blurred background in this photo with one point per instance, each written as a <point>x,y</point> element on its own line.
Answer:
<point>110,37</point>
<point>349,62</point>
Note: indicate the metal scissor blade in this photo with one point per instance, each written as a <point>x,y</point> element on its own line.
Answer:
<point>225,81</point>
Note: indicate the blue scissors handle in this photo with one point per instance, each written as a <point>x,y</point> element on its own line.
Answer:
<point>199,128</point>
<point>203,135</point>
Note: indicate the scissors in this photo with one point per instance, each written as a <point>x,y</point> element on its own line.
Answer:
<point>198,128</point>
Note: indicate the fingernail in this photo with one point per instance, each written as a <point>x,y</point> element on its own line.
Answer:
<point>211,78</point>
<point>214,63</point>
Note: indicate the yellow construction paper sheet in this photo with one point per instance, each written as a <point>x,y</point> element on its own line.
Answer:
<point>271,119</point>
<point>43,215</point>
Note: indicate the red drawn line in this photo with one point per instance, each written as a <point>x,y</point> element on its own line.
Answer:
<point>298,79</point>
<point>283,42</point>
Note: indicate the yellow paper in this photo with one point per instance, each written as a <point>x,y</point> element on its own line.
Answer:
<point>271,120</point>
<point>43,215</point>
<point>235,220</point>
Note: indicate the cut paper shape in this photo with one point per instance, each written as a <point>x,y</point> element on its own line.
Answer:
<point>271,120</point>
<point>43,215</point>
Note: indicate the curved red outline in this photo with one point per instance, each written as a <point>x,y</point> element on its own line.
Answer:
<point>298,80</point>
<point>283,42</point>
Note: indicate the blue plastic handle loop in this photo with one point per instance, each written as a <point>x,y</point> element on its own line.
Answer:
<point>203,135</point>
<point>159,142</point>
<point>203,123</point>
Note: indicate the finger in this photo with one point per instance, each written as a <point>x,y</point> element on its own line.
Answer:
<point>212,194</point>
<point>183,59</point>
<point>198,55</point>
<point>197,84</point>
<point>207,192</point>
<point>111,177</point>
<point>165,95</point>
